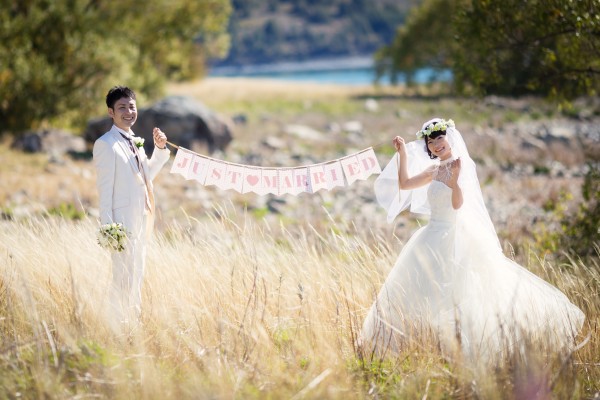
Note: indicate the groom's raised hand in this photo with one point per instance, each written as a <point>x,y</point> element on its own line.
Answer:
<point>160,139</point>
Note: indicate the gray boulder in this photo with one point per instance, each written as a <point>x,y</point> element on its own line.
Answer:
<point>52,141</point>
<point>185,121</point>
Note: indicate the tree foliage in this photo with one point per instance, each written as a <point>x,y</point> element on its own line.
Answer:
<point>58,58</point>
<point>426,40</point>
<point>510,47</point>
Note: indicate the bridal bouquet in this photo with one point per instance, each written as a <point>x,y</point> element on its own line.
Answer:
<point>112,236</point>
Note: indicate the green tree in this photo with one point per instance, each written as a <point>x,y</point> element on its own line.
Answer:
<point>510,47</point>
<point>426,40</point>
<point>59,57</point>
<point>547,47</point>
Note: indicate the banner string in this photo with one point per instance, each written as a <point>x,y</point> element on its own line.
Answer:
<point>380,144</point>
<point>177,147</point>
<point>256,167</point>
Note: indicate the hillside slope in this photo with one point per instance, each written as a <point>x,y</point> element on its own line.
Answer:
<point>298,30</point>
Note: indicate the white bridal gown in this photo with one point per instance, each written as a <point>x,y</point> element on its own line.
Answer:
<point>480,301</point>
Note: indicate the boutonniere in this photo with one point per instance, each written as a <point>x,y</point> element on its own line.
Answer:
<point>138,141</point>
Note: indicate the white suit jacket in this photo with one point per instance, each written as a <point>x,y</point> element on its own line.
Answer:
<point>120,184</point>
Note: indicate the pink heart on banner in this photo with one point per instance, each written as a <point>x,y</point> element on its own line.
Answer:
<point>252,179</point>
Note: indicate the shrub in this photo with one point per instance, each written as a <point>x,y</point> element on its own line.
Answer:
<point>578,231</point>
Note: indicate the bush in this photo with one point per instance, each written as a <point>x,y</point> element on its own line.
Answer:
<point>59,58</point>
<point>577,232</point>
<point>510,47</point>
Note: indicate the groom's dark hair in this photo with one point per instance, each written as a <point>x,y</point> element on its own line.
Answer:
<point>118,92</point>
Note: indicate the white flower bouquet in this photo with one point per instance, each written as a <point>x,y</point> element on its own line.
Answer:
<point>112,236</point>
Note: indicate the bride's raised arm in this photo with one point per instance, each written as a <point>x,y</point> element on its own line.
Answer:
<point>406,182</point>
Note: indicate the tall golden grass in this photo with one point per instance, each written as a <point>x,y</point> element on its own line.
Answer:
<point>233,308</point>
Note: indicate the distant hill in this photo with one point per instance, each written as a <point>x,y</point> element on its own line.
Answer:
<point>269,31</point>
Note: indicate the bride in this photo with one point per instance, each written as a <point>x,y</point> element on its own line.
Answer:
<point>451,279</point>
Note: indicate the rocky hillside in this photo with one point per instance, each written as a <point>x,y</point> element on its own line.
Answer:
<point>529,155</point>
<point>298,30</point>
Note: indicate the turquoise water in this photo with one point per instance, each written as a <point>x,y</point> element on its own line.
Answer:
<point>346,76</point>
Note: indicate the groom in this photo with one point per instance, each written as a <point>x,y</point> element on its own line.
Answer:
<point>124,181</point>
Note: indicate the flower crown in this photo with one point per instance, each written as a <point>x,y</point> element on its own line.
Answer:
<point>435,126</point>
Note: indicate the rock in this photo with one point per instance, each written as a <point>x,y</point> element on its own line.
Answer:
<point>274,142</point>
<point>371,105</point>
<point>30,143</point>
<point>54,142</point>
<point>59,142</point>
<point>557,169</point>
<point>559,133</point>
<point>252,158</point>
<point>588,136</point>
<point>531,142</point>
<point>275,204</point>
<point>507,103</point>
<point>304,132</point>
<point>184,120</point>
<point>402,113</point>
<point>334,127</point>
<point>353,127</point>
<point>240,119</point>
<point>589,133</point>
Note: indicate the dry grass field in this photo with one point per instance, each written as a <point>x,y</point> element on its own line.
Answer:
<point>240,310</point>
<point>241,304</point>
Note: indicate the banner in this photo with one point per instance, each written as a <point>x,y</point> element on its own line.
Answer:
<point>278,181</point>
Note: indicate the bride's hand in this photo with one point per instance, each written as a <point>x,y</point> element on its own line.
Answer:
<point>399,144</point>
<point>455,169</point>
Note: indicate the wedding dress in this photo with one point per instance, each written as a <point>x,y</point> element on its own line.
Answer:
<point>451,279</point>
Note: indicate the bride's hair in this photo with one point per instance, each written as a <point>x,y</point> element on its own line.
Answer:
<point>432,136</point>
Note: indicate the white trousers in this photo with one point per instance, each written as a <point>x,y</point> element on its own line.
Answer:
<point>127,277</point>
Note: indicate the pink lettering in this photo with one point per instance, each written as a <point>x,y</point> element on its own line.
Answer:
<point>195,169</point>
<point>333,174</point>
<point>367,161</point>
<point>270,181</point>
<point>353,168</point>
<point>318,177</point>
<point>215,174</point>
<point>234,176</point>
<point>301,181</point>
<point>182,163</point>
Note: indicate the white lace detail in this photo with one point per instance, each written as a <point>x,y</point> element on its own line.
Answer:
<point>443,172</point>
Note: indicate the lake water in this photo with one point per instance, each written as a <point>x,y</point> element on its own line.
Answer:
<point>348,71</point>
